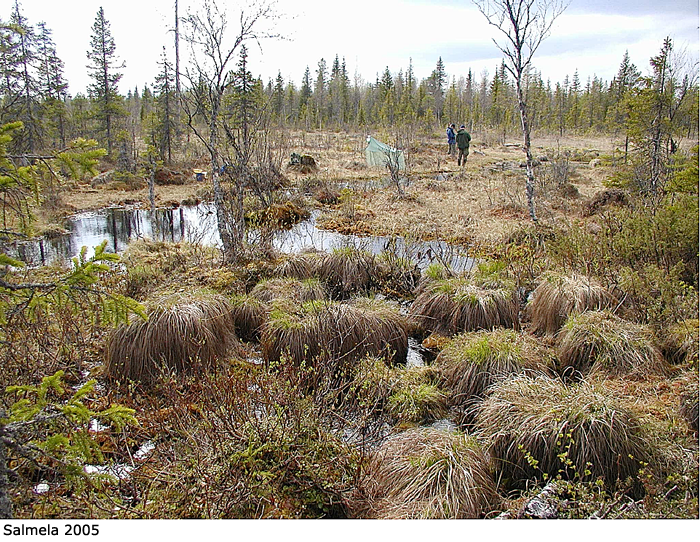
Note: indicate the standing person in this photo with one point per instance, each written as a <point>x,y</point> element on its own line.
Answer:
<point>451,139</point>
<point>463,139</point>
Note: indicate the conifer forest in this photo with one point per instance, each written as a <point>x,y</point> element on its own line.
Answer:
<point>224,297</point>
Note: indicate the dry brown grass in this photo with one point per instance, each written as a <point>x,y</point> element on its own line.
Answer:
<point>348,271</point>
<point>344,333</point>
<point>598,341</point>
<point>427,474</point>
<point>181,335</point>
<point>537,426</point>
<point>557,296</point>
<point>680,343</point>
<point>299,291</point>
<point>474,362</point>
<point>454,305</point>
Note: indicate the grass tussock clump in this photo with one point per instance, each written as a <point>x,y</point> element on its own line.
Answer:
<point>397,276</point>
<point>680,343</point>
<point>249,314</point>
<point>540,428</point>
<point>600,342</point>
<point>182,334</point>
<point>558,296</point>
<point>149,264</point>
<point>455,305</point>
<point>473,362</point>
<point>332,330</point>
<point>400,395</point>
<point>416,397</point>
<point>296,290</point>
<point>688,400</point>
<point>300,266</point>
<point>348,271</point>
<point>427,473</point>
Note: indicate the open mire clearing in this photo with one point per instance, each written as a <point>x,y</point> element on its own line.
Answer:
<point>483,202</point>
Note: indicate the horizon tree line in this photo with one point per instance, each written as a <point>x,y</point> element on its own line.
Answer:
<point>34,89</point>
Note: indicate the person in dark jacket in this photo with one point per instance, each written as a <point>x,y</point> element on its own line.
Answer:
<point>463,139</point>
<point>451,139</point>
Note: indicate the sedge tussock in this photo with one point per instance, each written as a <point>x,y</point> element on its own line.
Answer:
<point>182,335</point>
<point>688,399</point>
<point>680,342</point>
<point>326,329</point>
<point>473,362</point>
<point>295,289</point>
<point>600,342</point>
<point>455,305</point>
<point>348,271</point>
<point>559,296</point>
<point>298,266</point>
<point>540,428</point>
<point>427,473</point>
<point>249,314</point>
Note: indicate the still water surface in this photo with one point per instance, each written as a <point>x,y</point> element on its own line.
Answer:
<point>120,226</point>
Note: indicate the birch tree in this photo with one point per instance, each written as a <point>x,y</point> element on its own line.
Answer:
<point>214,46</point>
<point>524,25</point>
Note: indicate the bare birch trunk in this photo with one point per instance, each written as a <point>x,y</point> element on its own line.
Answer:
<point>530,182</point>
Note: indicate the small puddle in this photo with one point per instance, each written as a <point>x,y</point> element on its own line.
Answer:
<point>414,357</point>
<point>120,226</point>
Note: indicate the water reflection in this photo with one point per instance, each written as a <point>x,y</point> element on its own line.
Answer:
<point>120,226</point>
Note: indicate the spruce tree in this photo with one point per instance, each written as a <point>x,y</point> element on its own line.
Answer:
<point>103,69</point>
<point>320,91</point>
<point>26,98</point>
<point>53,86</point>
<point>163,132</point>
<point>278,97</point>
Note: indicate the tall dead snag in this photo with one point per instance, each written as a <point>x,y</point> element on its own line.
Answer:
<point>525,24</point>
<point>214,49</point>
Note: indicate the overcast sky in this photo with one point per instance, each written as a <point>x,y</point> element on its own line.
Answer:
<point>591,36</point>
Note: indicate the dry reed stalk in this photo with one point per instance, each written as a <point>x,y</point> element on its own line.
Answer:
<point>178,336</point>
<point>559,296</point>
<point>536,426</point>
<point>598,341</point>
<point>427,473</point>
